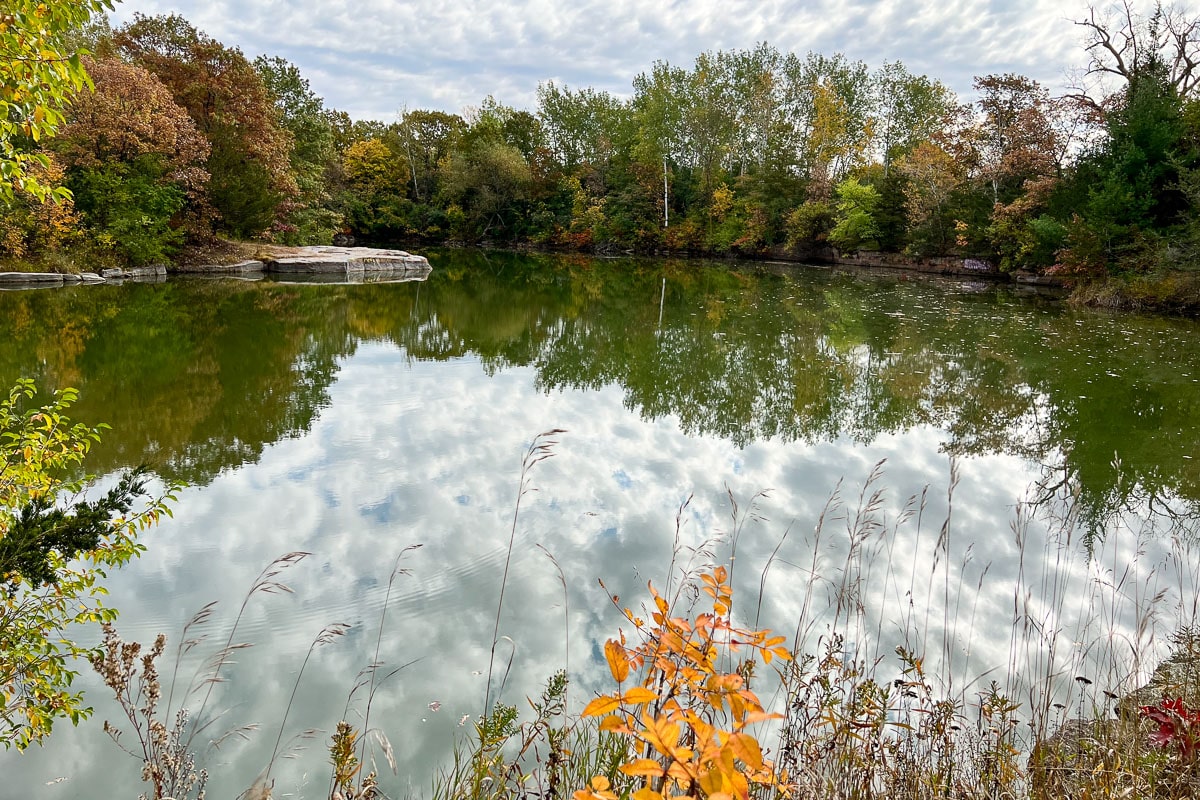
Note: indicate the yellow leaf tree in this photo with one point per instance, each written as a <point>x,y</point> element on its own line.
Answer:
<point>38,75</point>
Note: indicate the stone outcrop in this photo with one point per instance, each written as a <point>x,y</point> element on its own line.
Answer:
<point>39,280</point>
<point>250,265</point>
<point>154,272</point>
<point>325,264</point>
<point>349,262</point>
<point>17,279</point>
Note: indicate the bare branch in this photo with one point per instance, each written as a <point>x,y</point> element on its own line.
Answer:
<point>1123,43</point>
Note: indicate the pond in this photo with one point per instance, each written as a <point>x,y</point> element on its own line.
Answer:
<point>706,409</point>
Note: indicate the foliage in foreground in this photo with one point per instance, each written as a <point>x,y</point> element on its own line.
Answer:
<point>38,74</point>
<point>686,719</point>
<point>55,548</point>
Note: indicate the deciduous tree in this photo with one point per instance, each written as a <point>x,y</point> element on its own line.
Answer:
<point>909,108</point>
<point>932,176</point>
<point>306,219</point>
<point>428,138</point>
<point>38,75</point>
<point>1016,139</point>
<point>131,114</point>
<point>855,226</point>
<point>1121,41</point>
<point>249,166</point>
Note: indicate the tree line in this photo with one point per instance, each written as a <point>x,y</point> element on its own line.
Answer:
<point>181,138</point>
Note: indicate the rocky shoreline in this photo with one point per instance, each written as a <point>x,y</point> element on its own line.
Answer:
<point>336,264</point>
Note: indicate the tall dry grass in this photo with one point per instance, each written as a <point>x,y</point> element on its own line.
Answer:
<point>916,669</point>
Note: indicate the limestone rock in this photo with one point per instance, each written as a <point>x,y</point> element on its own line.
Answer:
<point>31,278</point>
<point>346,261</point>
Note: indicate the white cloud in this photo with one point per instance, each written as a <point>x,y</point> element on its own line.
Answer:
<point>373,57</point>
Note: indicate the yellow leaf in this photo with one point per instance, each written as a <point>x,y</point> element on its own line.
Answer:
<point>662,735</point>
<point>643,766</point>
<point>613,724</point>
<point>741,786</point>
<point>618,662</point>
<point>683,771</point>
<point>745,748</point>
<point>638,695</point>
<point>646,793</point>
<point>712,782</point>
<point>601,705</point>
<point>659,602</point>
<point>737,705</point>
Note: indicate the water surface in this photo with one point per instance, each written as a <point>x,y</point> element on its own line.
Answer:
<point>354,421</point>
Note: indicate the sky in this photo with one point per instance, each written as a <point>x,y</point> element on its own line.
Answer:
<point>375,58</point>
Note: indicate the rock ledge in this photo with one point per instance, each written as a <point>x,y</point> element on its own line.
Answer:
<point>348,261</point>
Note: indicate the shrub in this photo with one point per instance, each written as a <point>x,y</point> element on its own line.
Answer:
<point>31,226</point>
<point>129,209</point>
<point>52,558</point>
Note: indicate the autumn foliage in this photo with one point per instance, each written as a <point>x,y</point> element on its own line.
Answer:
<point>691,719</point>
<point>131,114</point>
<point>756,152</point>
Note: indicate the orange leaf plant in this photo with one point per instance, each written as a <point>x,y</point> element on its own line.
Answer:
<point>690,718</point>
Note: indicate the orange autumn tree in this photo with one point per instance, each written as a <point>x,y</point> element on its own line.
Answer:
<point>248,162</point>
<point>690,718</point>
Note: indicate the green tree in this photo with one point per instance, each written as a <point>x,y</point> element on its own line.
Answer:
<point>809,224</point>
<point>302,114</point>
<point>491,182</point>
<point>428,138</point>
<point>38,74</point>
<point>910,110</point>
<point>855,228</point>
<point>658,121</point>
<point>710,117</point>
<point>831,104</point>
<point>373,200</point>
<point>1132,183</point>
<point>55,548</point>
<point>582,127</point>
<point>129,207</point>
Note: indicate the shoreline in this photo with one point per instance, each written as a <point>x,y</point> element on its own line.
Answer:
<point>1168,294</point>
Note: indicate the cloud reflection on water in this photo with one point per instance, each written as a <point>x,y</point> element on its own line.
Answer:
<point>354,421</point>
<point>382,468</point>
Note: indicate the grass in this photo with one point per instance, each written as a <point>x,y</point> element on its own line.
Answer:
<point>56,262</point>
<point>888,684</point>
<point>1174,292</point>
